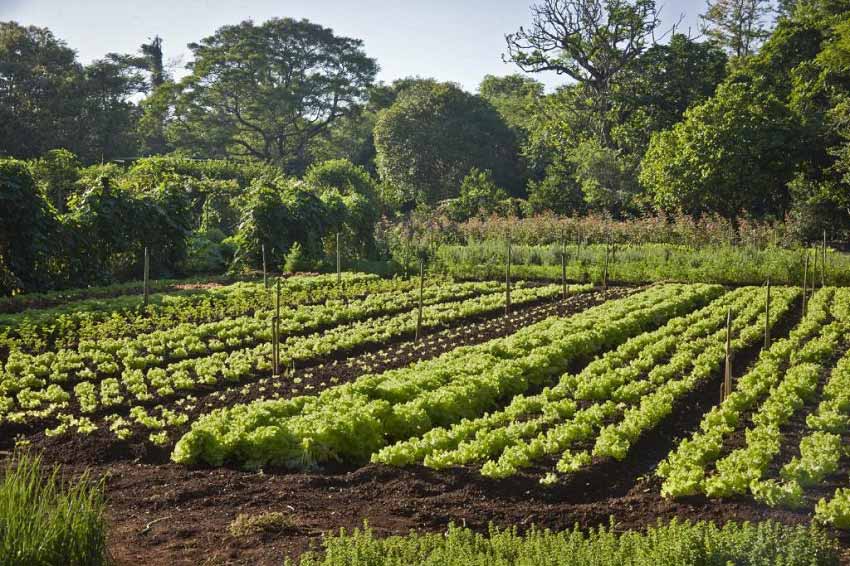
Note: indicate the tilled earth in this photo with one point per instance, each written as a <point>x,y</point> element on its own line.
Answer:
<point>162,513</point>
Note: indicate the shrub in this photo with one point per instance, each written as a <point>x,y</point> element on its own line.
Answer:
<point>295,260</point>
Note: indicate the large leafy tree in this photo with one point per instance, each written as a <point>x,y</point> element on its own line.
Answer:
<point>265,91</point>
<point>515,97</point>
<point>48,100</point>
<point>662,83</point>
<point>351,137</point>
<point>109,113</point>
<point>732,154</point>
<point>430,138</point>
<point>651,94</point>
<point>40,91</point>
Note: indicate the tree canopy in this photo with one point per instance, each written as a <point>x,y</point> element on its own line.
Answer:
<point>431,137</point>
<point>265,91</point>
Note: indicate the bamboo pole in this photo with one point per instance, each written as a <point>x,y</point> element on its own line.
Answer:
<point>508,280</point>
<point>564,268</point>
<point>421,287</point>
<point>276,332</point>
<point>338,261</point>
<point>605,272</point>
<point>823,262</point>
<point>727,378</point>
<point>265,273</point>
<point>767,317</point>
<point>814,271</point>
<point>146,276</point>
<point>805,277</point>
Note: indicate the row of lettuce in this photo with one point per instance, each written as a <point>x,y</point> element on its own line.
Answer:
<point>109,377</point>
<point>652,349</point>
<point>782,387</point>
<point>609,405</point>
<point>357,419</point>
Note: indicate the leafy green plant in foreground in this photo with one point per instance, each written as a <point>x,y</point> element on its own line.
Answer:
<point>674,543</point>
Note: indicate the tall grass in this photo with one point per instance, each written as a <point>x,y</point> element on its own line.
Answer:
<point>47,521</point>
<point>643,263</point>
<point>676,543</point>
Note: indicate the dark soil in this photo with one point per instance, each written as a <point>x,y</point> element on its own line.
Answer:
<point>162,513</point>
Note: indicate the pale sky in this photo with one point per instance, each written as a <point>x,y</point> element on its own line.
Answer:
<point>458,41</point>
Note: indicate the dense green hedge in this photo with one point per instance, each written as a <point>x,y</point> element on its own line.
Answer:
<point>644,263</point>
<point>63,226</point>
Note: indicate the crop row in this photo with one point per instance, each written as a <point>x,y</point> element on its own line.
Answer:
<point>93,360</point>
<point>42,331</point>
<point>785,376</point>
<point>138,385</point>
<point>352,421</point>
<point>551,422</point>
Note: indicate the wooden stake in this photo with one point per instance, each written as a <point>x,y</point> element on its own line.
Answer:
<point>147,273</point>
<point>508,280</point>
<point>578,248</point>
<point>727,378</point>
<point>338,261</point>
<point>276,332</point>
<point>805,277</point>
<point>605,272</point>
<point>767,317</point>
<point>814,272</point>
<point>823,262</point>
<point>421,287</point>
<point>564,269</point>
<point>265,273</point>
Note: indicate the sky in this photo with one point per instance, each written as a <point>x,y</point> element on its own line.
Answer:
<point>458,41</point>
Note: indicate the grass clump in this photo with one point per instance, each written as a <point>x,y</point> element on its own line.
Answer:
<point>47,521</point>
<point>248,525</point>
<point>679,543</point>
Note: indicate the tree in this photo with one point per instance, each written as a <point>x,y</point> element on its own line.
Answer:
<point>606,177</point>
<point>557,191</point>
<point>734,153</point>
<point>739,26</point>
<point>515,97</point>
<point>109,113</point>
<point>664,81</point>
<point>49,101</point>
<point>785,8</point>
<point>351,137</point>
<point>40,92</point>
<point>152,53</point>
<point>157,107</point>
<point>590,41</point>
<point>430,138</point>
<point>265,91</point>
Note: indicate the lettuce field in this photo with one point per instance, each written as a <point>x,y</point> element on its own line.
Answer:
<point>231,428</point>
